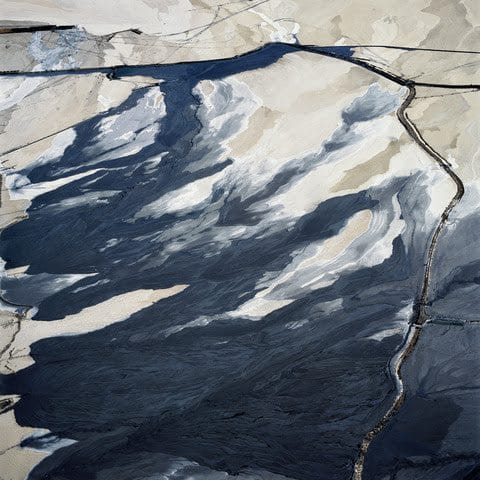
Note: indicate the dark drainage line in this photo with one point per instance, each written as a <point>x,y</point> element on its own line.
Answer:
<point>419,316</point>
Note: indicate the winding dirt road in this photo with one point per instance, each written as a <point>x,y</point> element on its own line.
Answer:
<point>420,316</point>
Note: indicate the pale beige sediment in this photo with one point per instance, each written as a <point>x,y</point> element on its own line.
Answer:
<point>25,155</point>
<point>58,104</point>
<point>8,328</point>
<point>334,246</point>
<point>450,123</point>
<point>296,125</point>
<point>90,319</point>
<point>262,120</point>
<point>17,271</point>
<point>287,136</point>
<point>11,211</point>
<point>263,303</point>
<point>441,25</point>
<point>193,30</point>
<point>360,174</point>
<point>16,462</point>
<point>425,66</point>
<point>289,113</point>
<point>283,127</point>
<point>110,16</point>
<point>382,22</point>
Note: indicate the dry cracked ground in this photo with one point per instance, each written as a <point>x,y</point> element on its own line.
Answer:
<point>240,240</point>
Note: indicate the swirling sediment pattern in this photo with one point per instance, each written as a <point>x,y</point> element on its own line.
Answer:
<point>219,272</point>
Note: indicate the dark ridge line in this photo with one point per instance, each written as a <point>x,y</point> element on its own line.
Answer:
<point>439,95</point>
<point>111,71</point>
<point>33,142</point>
<point>199,29</point>
<point>453,323</point>
<point>420,315</point>
<point>12,29</point>
<point>449,320</point>
<point>412,49</point>
<point>406,82</point>
<point>215,21</point>
<point>7,29</point>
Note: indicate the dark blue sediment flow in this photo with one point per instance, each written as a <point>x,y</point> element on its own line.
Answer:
<point>234,395</point>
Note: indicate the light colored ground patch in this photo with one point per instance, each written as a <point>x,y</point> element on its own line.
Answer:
<point>111,311</point>
<point>307,267</point>
<point>278,127</point>
<point>64,102</point>
<point>193,30</point>
<point>449,121</point>
<point>16,461</point>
